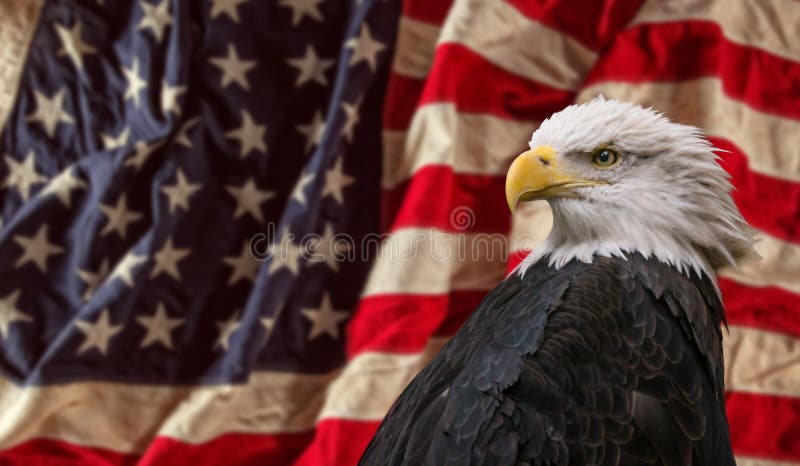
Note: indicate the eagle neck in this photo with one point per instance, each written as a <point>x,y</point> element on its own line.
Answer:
<point>579,234</point>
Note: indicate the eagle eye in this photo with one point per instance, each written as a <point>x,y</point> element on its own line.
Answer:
<point>605,158</point>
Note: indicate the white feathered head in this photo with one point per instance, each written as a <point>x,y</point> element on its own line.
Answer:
<point>623,178</point>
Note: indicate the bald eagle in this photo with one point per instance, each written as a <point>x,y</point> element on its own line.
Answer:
<point>604,346</point>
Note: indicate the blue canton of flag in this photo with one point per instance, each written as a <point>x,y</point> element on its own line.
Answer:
<point>161,166</point>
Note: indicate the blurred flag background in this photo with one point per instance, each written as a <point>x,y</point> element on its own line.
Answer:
<point>233,230</point>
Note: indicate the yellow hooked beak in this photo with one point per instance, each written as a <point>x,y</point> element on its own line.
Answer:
<point>534,175</point>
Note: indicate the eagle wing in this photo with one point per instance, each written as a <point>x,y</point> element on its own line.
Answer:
<point>590,364</point>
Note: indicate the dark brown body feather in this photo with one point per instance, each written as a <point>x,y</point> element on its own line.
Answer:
<point>618,362</point>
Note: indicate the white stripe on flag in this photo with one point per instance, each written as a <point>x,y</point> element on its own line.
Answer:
<point>431,261</point>
<point>441,135</point>
<point>760,361</point>
<point>779,265</point>
<point>125,417</point>
<point>416,42</point>
<point>504,36</point>
<point>372,381</point>
<point>750,461</point>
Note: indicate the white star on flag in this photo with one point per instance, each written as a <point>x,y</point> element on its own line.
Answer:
<point>299,193</point>
<point>302,8</point>
<point>330,248</point>
<point>182,137</point>
<point>135,83</point>
<point>249,199</point>
<point>227,7</point>
<point>313,131</point>
<point>124,269</point>
<point>169,98</point>
<point>50,112</point>
<point>62,185</point>
<point>22,175</point>
<point>234,69</point>
<point>351,111</point>
<point>178,194</point>
<point>156,17</point>
<point>336,180</point>
<point>226,329</point>
<point>245,266</point>
<point>116,142</point>
<point>365,48</point>
<point>9,313</point>
<point>159,327</point>
<point>142,152</point>
<point>72,45</point>
<point>93,280</point>
<point>97,334</point>
<point>311,67</point>
<point>118,217</point>
<point>285,254</point>
<point>36,249</point>
<point>324,319</point>
<point>167,260</point>
<point>250,135</point>
<point>267,323</point>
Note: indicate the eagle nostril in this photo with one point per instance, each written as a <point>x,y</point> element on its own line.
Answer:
<point>544,161</point>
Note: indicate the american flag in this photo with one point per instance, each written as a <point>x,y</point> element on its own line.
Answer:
<point>209,206</point>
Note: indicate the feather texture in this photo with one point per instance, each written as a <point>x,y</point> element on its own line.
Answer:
<point>613,362</point>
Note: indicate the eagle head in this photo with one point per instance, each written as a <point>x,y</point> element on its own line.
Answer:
<point>622,178</point>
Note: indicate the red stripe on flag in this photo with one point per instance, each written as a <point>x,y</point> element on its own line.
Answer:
<point>397,323</point>
<point>46,452</point>
<point>594,23</point>
<point>429,11</point>
<point>404,323</point>
<point>338,442</point>
<point>239,449</point>
<point>475,84</point>
<point>434,193</point>
<point>402,97</point>
<point>764,426</point>
<point>767,308</point>
<point>693,49</point>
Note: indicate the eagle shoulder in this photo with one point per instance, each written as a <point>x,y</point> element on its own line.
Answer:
<point>588,364</point>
